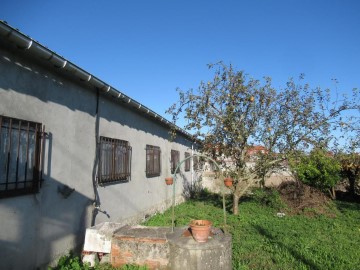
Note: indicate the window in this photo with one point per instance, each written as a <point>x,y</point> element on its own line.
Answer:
<point>187,162</point>
<point>21,146</point>
<point>114,161</point>
<point>175,158</point>
<point>153,161</point>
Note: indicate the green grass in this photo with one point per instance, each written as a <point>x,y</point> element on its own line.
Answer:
<point>261,240</point>
<point>73,262</point>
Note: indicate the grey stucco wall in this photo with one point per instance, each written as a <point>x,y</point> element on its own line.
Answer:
<point>38,228</point>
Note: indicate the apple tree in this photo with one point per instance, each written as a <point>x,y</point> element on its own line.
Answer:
<point>232,112</point>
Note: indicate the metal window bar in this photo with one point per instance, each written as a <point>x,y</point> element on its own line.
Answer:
<point>27,150</point>
<point>153,161</point>
<point>8,155</point>
<point>114,160</point>
<point>175,157</point>
<point>18,139</point>
<point>187,162</point>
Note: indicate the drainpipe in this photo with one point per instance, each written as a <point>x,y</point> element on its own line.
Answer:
<point>96,202</point>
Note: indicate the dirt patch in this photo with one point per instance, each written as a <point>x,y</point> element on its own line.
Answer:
<point>303,199</point>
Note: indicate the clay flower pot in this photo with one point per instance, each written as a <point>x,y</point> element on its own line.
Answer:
<point>200,230</point>
<point>169,180</point>
<point>228,181</point>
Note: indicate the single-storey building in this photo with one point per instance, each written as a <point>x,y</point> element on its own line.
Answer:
<point>74,152</point>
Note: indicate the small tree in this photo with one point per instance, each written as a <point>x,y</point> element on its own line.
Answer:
<point>318,169</point>
<point>233,112</point>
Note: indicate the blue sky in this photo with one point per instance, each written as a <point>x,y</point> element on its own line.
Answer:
<point>147,49</point>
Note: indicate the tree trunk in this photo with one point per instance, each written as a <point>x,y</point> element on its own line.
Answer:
<point>236,199</point>
<point>352,181</point>
<point>332,193</point>
<point>262,182</point>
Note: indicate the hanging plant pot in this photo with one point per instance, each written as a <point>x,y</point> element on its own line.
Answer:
<point>200,230</point>
<point>228,181</point>
<point>169,180</point>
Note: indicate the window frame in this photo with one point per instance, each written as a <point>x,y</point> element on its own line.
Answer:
<point>153,154</point>
<point>187,161</point>
<point>174,160</point>
<point>24,139</point>
<point>114,161</point>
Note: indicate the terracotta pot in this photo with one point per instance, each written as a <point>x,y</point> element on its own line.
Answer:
<point>228,182</point>
<point>200,230</point>
<point>169,180</point>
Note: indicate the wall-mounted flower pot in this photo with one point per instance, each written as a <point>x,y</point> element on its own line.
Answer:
<point>169,180</point>
<point>228,181</point>
<point>200,230</point>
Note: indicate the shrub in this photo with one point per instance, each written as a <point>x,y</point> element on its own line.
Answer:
<point>269,197</point>
<point>318,169</point>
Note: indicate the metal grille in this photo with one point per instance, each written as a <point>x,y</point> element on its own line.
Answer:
<point>187,162</point>
<point>153,161</point>
<point>175,158</point>
<point>115,161</point>
<point>21,163</point>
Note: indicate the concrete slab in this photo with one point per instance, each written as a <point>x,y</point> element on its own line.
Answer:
<point>98,238</point>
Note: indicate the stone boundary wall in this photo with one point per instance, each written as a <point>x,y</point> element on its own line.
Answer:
<point>213,184</point>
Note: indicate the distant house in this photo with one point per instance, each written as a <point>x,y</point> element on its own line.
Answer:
<point>253,152</point>
<point>74,152</point>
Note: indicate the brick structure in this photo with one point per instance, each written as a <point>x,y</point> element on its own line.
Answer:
<point>159,248</point>
<point>140,245</point>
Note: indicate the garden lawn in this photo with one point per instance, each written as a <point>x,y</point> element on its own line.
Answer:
<point>262,240</point>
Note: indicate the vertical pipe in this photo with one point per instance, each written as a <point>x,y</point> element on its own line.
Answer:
<point>97,170</point>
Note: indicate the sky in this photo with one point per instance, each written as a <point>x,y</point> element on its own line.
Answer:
<point>147,49</point>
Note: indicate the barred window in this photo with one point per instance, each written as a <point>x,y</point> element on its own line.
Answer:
<point>187,162</point>
<point>114,161</point>
<point>175,158</point>
<point>21,146</point>
<point>153,161</point>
